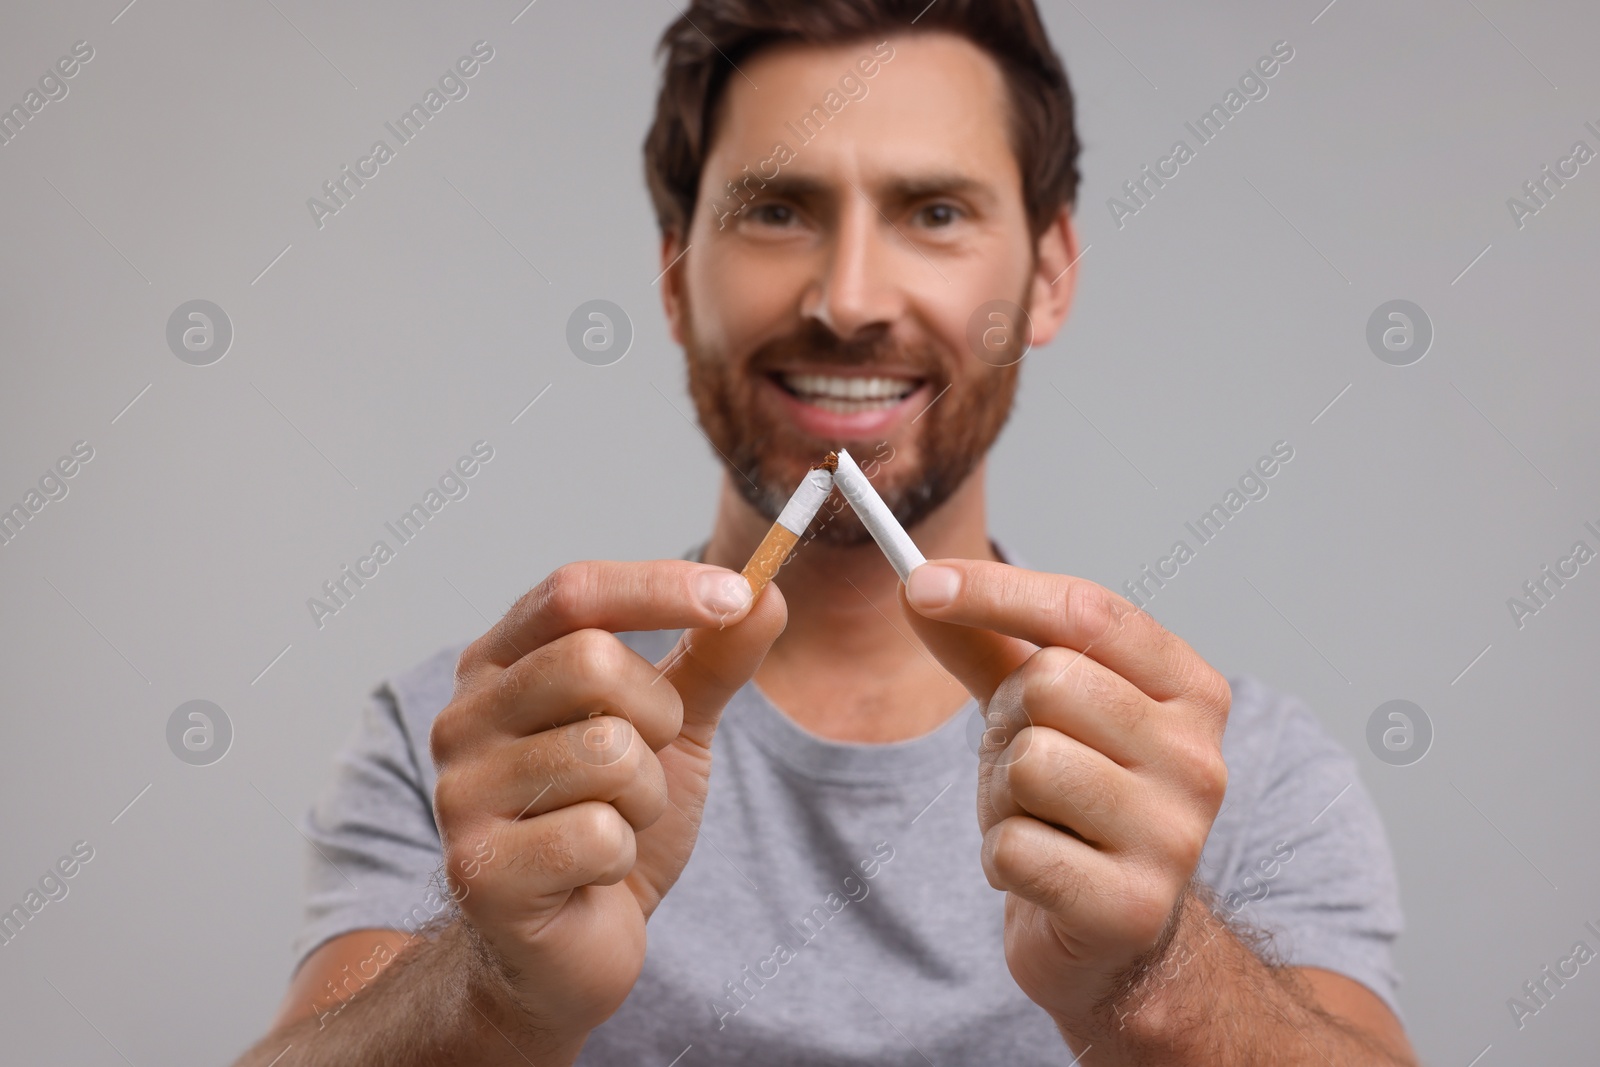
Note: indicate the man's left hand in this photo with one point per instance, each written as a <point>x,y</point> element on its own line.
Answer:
<point>1100,773</point>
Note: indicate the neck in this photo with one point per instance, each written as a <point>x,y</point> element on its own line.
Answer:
<point>848,666</point>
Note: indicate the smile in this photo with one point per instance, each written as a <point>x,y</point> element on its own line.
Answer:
<point>848,395</point>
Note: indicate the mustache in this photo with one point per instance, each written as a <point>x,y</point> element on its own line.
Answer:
<point>813,342</point>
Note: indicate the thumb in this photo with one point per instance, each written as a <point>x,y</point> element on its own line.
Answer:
<point>707,666</point>
<point>980,659</point>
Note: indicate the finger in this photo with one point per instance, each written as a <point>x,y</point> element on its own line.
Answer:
<point>1070,691</point>
<point>708,666</point>
<point>980,659</point>
<point>583,674</point>
<point>588,843</point>
<point>602,758</point>
<point>1053,871</point>
<point>1055,609</point>
<point>1067,784</point>
<point>663,594</point>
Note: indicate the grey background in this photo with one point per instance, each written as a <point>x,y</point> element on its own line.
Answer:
<point>1225,316</point>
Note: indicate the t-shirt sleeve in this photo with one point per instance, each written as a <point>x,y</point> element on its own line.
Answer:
<point>373,850</point>
<point>1312,869</point>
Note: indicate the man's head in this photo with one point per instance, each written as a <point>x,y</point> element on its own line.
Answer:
<point>847,192</point>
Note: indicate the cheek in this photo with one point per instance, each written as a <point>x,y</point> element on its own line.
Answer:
<point>950,310</point>
<point>735,304</point>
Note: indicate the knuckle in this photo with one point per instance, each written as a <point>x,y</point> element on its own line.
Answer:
<point>468,664</point>
<point>602,831</point>
<point>545,758</point>
<point>606,741</point>
<point>1215,692</point>
<point>1041,674</point>
<point>510,686</point>
<point>1094,611</point>
<point>593,655</point>
<point>564,591</point>
<point>446,733</point>
<point>465,856</point>
<point>447,798</point>
<point>548,852</point>
<point>1189,843</point>
<point>1203,769</point>
<point>1213,774</point>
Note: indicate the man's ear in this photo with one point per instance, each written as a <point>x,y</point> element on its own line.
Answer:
<point>1055,279</point>
<point>672,282</point>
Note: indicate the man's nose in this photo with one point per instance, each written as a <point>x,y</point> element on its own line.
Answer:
<point>861,280</point>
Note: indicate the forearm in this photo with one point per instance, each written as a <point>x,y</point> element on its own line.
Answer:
<point>1209,999</point>
<point>440,1002</point>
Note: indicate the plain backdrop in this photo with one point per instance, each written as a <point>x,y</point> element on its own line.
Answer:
<point>1228,314</point>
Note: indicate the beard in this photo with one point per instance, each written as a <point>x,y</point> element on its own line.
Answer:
<point>767,456</point>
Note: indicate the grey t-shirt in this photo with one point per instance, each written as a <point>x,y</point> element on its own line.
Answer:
<point>834,910</point>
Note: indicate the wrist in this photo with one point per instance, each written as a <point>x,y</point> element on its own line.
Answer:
<point>1148,1000</point>
<point>498,1006</point>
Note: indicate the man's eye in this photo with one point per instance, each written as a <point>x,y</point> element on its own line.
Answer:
<point>939,215</point>
<point>773,214</point>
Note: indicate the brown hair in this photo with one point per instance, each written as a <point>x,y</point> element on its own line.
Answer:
<point>702,46</point>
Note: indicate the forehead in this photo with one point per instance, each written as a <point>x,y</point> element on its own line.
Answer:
<point>938,104</point>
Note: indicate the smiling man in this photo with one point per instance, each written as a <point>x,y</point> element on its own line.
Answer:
<point>995,815</point>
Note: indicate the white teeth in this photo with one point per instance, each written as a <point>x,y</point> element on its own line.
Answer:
<point>860,394</point>
<point>849,407</point>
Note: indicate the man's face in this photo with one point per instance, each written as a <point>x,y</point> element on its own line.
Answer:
<point>826,302</point>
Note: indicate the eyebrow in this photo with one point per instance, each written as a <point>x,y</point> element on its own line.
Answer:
<point>899,189</point>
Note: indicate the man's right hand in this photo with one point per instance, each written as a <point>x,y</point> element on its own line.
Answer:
<point>573,772</point>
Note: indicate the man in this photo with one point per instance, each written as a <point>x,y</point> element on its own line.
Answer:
<point>676,827</point>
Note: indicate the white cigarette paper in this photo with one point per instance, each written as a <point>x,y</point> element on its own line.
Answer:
<point>784,534</point>
<point>877,518</point>
<point>806,502</point>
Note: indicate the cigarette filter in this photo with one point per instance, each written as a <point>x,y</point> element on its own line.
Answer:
<point>877,518</point>
<point>791,525</point>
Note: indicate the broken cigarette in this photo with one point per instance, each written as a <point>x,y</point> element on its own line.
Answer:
<point>791,525</point>
<point>877,518</point>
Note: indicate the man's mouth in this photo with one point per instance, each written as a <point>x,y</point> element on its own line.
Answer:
<point>848,394</point>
